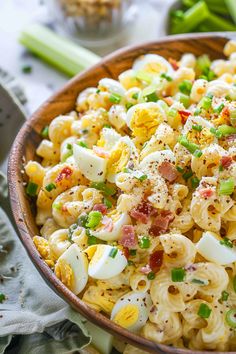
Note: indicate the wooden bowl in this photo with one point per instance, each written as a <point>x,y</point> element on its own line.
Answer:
<point>62,102</point>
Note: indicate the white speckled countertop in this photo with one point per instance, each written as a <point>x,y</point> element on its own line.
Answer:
<point>43,80</point>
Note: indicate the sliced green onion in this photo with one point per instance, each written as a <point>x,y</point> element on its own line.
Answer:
<point>219,108</point>
<point>178,274</point>
<point>107,126</point>
<point>26,69</point>
<point>82,220</point>
<point>205,102</point>
<point>132,252</point>
<point>113,252</point>
<point>185,87</point>
<point>92,240</point>
<point>186,175</point>
<point>142,178</point>
<point>115,98</point>
<point>101,186</point>
<point>230,318</point>
<point>82,144</point>
<point>71,229</point>
<point>44,132</point>
<point>128,105</point>
<point>49,187</point>
<point>216,132</point>
<point>144,76</point>
<point>226,130</point>
<point>68,154</point>
<point>179,169</point>
<point>69,146</point>
<point>197,153</point>
<point>233,117</point>
<point>184,99</point>
<point>31,189</point>
<point>107,202</point>
<point>191,147</point>
<point>200,281</point>
<point>224,296</point>
<point>98,91</point>
<point>221,168</point>
<point>144,242</point>
<point>130,263</point>
<point>94,219</point>
<point>165,76</point>
<point>197,127</point>
<point>226,187</point>
<point>226,242</point>
<point>173,112</point>
<point>2,297</point>
<point>57,51</point>
<point>195,182</point>
<point>84,131</point>
<point>151,276</point>
<point>152,97</point>
<point>203,64</point>
<point>135,95</point>
<point>204,311</point>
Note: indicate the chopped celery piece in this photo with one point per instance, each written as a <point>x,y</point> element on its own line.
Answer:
<point>231,5</point>
<point>57,51</point>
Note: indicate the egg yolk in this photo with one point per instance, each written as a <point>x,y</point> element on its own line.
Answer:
<point>203,138</point>
<point>97,255</point>
<point>155,68</point>
<point>145,122</point>
<point>127,316</point>
<point>119,158</point>
<point>64,272</point>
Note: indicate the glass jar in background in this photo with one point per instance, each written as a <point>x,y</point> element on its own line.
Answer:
<point>93,21</point>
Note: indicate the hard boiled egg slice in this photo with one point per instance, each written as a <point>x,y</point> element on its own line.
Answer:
<point>91,165</point>
<point>131,311</point>
<point>111,86</point>
<point>106,261</point>
<point>123,153</point>
<point>153,64</point>
<point>72,269</point>
<point>152,161</point>
<point>108,138</point>
<point>210,248</point>
<point>111,230</point>
<point>144,118</point>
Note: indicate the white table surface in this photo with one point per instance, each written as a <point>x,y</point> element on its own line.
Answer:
<point>44,80</point>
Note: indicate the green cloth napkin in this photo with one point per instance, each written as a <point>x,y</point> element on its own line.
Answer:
<point>30,305</point>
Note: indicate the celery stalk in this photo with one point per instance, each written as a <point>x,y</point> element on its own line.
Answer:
<point>216,23</point>
<point>61,53</point>
<point>191,18</point>
<point>231,4</point>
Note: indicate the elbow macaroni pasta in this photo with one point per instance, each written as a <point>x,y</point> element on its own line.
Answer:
<point>136,200</point>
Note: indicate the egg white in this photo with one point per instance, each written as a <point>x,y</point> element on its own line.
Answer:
<point>141,301</point>
<point>92,166</point>
<point>110,138</point>
<point>113,235</point>
<point>112,86</point>
<point>211,249</point>
<point>142,63</point>
<point>102,265</point>
<point>78,262</point>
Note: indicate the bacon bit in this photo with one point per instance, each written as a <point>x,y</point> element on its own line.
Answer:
<point>125,252</point>
<point>146,270</point>
<point>128,238</point>
<point>168,100</point>
<point>173,63</point>
<point>231,138</point>
<point>206,192</point>
<point>100,207</point>
<point>66,172</point>
<point>143,212</point>
<point>225,112</point>
<point>156,260</point>
<point>190,267</point>
<point>184,116</point>
<point>101,152</point>
<point>161,223</point>
<point>226,161</point>
<point>168,171</point>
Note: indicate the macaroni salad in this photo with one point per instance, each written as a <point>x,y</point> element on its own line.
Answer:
<point>136,199</point>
